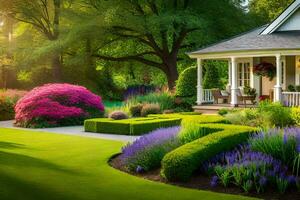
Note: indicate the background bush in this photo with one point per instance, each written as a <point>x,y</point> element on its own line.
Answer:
<point>118,115</point>
<point>8,100</point>
<point>150,109</point>
<point>57,105</point>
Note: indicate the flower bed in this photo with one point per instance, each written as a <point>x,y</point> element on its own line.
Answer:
<point>57,105</point>
<point>219,157</point>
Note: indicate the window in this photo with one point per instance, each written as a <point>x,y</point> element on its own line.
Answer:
<point>244,74</point>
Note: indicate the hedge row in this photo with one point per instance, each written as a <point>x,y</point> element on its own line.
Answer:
<point>181,163</point>
<point>135,126</point>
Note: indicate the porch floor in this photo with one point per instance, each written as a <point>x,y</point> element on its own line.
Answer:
<point>214,108</point>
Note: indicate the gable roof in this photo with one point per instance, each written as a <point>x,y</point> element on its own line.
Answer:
<point>253,40</point>
<point>282,18</point>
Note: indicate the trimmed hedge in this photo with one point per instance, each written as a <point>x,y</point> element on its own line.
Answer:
<point>191,117</point>
<point>181,163</point>
<point>135,126</point>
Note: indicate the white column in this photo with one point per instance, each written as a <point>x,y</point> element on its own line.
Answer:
<point>234,88</point>
<point>199,82</point>
<point>229,74</point>
<point>278,86</point>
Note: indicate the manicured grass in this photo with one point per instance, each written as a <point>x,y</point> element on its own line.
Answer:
<point>41,166</point>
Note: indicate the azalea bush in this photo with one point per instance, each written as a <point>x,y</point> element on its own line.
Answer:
<point>8,100</point>
<point>57,105</point>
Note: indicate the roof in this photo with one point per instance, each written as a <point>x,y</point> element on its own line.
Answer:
<point>282,18</point>
<point>267,37</point>
<point>254,41</point>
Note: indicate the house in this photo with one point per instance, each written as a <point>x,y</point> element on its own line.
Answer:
<point>277,43</point>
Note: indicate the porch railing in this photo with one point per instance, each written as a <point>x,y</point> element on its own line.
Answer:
<point>207,96</point>
<point>291,98</point>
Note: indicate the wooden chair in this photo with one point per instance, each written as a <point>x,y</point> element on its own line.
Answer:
<point>244,98</point>
<point>218,95</point>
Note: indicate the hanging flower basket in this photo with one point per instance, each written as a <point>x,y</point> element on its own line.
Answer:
<point>265,69</point>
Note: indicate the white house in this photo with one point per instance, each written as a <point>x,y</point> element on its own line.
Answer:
<point>277,43</point>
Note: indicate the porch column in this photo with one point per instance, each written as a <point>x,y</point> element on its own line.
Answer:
<point>234,88</point>
<point>229,75</point>
<point>199,82</point>
<point>278,86</point>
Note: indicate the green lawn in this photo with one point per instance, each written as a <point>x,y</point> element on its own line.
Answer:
<point>41,166</point>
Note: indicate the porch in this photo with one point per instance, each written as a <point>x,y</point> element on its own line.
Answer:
<point>241,74</point>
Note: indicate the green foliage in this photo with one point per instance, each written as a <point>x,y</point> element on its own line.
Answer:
<point>135,126</point>
<point>295,114</point>
<point>267,115</point>
<point>150,109</point>
<point>268,10</point>
<point>212,78</point>
<point>187,82</point>
<point>181,163</point>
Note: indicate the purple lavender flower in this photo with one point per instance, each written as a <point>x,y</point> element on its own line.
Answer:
<point>285,138</point>
<point>298,148</point>
<point>148,150</point>
<point>214,181</point>
<point>291,179</point>
<point>263,181</point>
<point>139,169</point>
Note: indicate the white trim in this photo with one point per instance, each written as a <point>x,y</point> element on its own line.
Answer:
<point>282,18</point>
<point>278,86</point>
<point>234,88</point>
<point>246,54</point>
<point>283,65</point>
<point>199,82</point>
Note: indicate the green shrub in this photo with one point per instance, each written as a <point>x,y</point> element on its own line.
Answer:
<point>267,115</point>
<point>187,82</point>
<point>275,113</point>
<point>223,111</point>
<point>135,110</point>
<point>150,109</point>
<point>211,78</point>
<point>118,115</point>
<point>295,114</point>
<point>181,163</point>
<point>135,126</point>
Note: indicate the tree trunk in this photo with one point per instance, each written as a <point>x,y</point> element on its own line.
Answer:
<point>56,67</point>
<point>172,73</point>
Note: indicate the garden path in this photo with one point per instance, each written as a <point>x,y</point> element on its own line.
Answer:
<point>72,130</point>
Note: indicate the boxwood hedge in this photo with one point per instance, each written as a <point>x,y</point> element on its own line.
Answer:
<point>180,164</point>
<point>135,126</point>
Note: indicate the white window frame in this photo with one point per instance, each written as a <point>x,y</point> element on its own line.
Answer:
<point>244,61</point>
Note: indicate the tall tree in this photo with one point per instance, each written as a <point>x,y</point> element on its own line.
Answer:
<point>268,10</point>
<point>157,32</point>
<point>44,16</point>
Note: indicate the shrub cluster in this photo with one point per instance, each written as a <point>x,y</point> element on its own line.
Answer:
<point>57,105</point>
<point>267,115</point>
<point>181,163</point>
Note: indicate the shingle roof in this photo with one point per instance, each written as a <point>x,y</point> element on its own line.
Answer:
<point>254,41</point>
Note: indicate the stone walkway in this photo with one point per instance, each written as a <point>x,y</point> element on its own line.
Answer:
<point>73,130</point>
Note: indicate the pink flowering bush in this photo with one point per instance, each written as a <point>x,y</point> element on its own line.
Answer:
<point>57,105</point>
